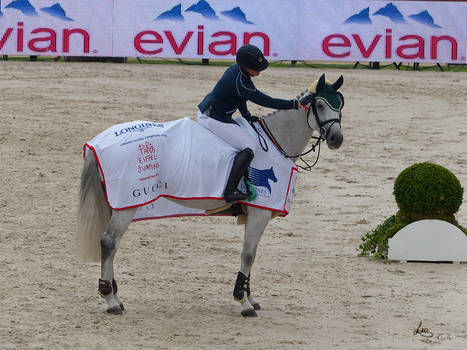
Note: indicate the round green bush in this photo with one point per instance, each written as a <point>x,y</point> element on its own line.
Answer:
<point>428,189</point>
<point>422,191</point>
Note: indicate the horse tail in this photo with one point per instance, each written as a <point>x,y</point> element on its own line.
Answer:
<point>94,213</point>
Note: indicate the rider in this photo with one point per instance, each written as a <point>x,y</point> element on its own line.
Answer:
<point>231,92</point>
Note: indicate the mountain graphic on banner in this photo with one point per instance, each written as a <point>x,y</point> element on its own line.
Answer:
<point>236,14</point>
<point>24,6</point>
<point>174,14</point>
<point>363,17</point>
<point>203,8</point>
<point>424,18</point>
<point>392,12</point>
<point>56,11</point>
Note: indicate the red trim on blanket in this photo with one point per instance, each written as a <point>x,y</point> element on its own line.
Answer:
<point>176,216</point>
<point>146,203</point>
<point>100,168</point>
<point>282,212</point>
<point>166,196</point>
<point>288,187</point>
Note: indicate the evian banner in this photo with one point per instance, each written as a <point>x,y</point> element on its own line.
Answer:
<point>336,30</point>
<point>399,31</point>
<point>206,28</point>
<point>61,27</point>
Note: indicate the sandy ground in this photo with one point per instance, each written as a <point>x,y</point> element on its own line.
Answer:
<point>176,276</point>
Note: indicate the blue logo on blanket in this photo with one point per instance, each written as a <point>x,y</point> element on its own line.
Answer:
<point>260,178</point>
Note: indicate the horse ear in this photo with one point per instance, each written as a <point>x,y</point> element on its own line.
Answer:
<point>338,83</point>
<point>321,83</point>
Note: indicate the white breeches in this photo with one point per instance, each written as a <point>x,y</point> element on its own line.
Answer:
<point>230,133</point>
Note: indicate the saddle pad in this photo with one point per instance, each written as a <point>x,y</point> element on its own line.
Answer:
<point>143,163</point>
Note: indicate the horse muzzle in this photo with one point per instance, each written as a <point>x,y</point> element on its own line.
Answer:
<point>334,136</point>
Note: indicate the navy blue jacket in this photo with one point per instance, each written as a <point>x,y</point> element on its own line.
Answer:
<point>231,93</point>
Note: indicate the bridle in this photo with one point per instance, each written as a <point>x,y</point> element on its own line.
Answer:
<point>322,131</point>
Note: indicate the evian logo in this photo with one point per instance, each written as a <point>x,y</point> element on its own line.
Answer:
<point>416,42</point>
<point>27,9</point>
<point>204,9</point>
<point>391,12</point>
<point>223,42</point>
<point>42,39</point>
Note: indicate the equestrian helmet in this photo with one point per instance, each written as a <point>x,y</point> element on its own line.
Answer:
<point>249,56</point>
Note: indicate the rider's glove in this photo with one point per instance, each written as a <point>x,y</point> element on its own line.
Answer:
<point>250,118</point>
<point>304,101</point>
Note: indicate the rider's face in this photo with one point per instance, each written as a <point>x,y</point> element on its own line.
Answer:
<point>252,73</point>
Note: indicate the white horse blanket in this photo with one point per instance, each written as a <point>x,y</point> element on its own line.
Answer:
<point>142,163</point>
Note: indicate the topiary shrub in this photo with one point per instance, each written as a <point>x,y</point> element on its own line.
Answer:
<point>422,191</point>
<point>428,189</point>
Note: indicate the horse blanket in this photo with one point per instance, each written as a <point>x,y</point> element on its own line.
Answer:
<point>143,163</point>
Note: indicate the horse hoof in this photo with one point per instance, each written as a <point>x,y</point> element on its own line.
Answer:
<point>256,306</point>
<point>123,309</point>
<point>249,313</point>
<point>115,310</point>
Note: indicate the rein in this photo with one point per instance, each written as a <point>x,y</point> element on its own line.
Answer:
<point>308,167</point>
<point>321,137</point>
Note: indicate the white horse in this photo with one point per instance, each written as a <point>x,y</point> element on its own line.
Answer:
<point>101,228</point>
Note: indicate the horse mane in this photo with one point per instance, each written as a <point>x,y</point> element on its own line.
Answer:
<point>298,97</point>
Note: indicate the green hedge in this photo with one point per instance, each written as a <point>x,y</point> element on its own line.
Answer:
<point>429,189</point>
<point>422,191</point>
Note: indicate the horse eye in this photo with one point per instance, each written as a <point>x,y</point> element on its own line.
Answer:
<point>320,105</point>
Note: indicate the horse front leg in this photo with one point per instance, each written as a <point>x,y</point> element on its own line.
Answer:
<point>256,223</point>
<point>110,241</point>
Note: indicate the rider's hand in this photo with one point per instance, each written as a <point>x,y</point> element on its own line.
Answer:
<point>304,101</point>
<point>251,118</point>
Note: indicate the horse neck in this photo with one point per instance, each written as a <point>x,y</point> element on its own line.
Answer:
<point>290,129</point>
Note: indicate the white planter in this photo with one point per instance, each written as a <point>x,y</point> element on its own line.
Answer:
<point>429,240</point>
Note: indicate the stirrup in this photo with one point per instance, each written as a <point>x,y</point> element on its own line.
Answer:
<point>251,190</point>
<point>236,196</point>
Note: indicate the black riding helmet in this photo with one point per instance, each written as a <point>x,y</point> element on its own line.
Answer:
<point>249,56</point>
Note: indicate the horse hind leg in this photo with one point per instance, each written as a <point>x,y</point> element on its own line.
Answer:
<point>110,241</point>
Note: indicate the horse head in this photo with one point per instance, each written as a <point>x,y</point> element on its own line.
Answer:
<point>325,111</point>
<point>271,175</point>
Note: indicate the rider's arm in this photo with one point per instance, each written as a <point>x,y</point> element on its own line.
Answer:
<point>248,91</point>
<point>267,101</point>
<point>243,108</point>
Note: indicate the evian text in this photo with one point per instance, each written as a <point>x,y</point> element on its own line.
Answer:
<point>408,47</point>
<point>221,43</point>
<point>44,39</point>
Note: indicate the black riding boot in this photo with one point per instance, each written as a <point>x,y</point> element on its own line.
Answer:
<point>239,168</point>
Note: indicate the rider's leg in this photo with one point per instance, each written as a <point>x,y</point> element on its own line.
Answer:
<point>232,133</point>
<point>239,168</point>
<point>238,138</point>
